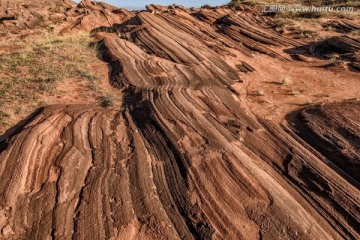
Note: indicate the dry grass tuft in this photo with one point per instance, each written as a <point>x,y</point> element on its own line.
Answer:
<point>355,33</point>
<point>286,81</point>
<point>259,93</point>
<point>294,92</point>
<point>108,100</point>
<point>32,72</point>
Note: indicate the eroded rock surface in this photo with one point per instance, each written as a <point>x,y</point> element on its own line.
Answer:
<point>20,17</point>
<point>184,157</point>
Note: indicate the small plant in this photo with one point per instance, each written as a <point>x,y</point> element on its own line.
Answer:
<point>107,101</point>
<point>42,104</point>
<point>306,33</point>
<point>206,6</point>
<point>294,92</point>
<point>282,24</point>
<point>259,92</point>
<point>286,81</point>
<point>3,117</point>
<point>4,114</point>
<point>235,3</point>
<point>335,60</point>
<point>355,33</point>
<point>310,33</point>
<point>57,8</point>
<point>40,18</point>
<point>17,109</point>
<point>307,102</point>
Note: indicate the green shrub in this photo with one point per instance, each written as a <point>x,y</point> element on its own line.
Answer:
<point>107,101</point>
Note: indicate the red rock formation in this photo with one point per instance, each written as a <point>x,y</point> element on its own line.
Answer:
<point>184,157</point>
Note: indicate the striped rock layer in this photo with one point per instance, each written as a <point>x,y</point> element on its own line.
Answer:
<point>184,157</point>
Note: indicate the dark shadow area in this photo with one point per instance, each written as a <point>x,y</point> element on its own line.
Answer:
<point>343,164</point>
<point>336,50</point>
<point>117,27</point>
<point>341,45</point>
<point>162,145</point>
<point>310,177</point>
<point>354,67</point>
<point>321,187</point>
<point>142,114</point>
<point>7,18</point>
<point>17,129</point>
<point>278,83</point>
<point>115,68</point>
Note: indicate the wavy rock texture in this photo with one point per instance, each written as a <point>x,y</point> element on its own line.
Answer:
<point>20,17</point>
<point>183,158</point>
<point>342,25</point>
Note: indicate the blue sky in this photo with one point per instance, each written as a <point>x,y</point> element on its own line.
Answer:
<point>142,3</point>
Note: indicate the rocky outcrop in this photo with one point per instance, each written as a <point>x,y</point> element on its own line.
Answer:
<point>184,157</point>
<point>19,17</point>
<point>342,25</point>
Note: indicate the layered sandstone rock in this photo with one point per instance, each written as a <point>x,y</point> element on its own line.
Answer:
<point>185,157</point>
